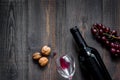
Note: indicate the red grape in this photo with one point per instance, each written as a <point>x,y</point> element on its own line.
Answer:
<point>116,46</point>
<point>107,30</point>
<point>112,45</point>
<point>114,32</point>
<point>95,25</point>
<point>104,39</point>
<point>119,47</point>
<point>118,51</point>
<point>98,38</point>
<point>113,50</point>
<point>100,25</point>
<point>103,27</point>
<point>107,43</point>
<point>100,32</point>
<point>94,31</point>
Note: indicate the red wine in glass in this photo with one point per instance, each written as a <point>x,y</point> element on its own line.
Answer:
<point>64,64</point>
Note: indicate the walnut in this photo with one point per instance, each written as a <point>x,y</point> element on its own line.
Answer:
<point>43,61</point>
<point>46,50</point>
<point>36,55</point>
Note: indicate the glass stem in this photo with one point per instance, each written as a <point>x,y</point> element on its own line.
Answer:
<point>70,78</point>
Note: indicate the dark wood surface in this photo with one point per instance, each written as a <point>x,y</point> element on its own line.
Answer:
<point>27,25</point>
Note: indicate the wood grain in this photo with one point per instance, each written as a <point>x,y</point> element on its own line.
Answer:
<point>27,25</point>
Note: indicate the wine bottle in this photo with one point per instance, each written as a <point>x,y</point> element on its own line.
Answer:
<point>89,58</point>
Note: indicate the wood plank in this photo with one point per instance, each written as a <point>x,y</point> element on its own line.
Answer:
<point>13,32</point>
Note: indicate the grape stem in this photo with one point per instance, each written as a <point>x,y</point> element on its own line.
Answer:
<point>108,35</point>
<point>111,36</point>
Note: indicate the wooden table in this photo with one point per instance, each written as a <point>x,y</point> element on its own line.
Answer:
<point>27,25</point>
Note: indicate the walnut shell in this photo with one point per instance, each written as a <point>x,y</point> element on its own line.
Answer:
<point>43,61</point>
<point>36,55</point>
<point>46,50</point>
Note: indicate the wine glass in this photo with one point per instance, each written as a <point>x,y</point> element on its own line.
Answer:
<point>66,66</point>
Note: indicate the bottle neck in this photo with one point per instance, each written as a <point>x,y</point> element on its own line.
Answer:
<point>78,38</point>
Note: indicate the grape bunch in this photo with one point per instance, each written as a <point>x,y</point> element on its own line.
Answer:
<point>107,37</point>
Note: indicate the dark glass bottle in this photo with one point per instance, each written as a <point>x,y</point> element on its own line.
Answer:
<point>89,58</point>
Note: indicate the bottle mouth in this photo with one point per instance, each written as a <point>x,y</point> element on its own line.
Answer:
<point>74,29</point>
